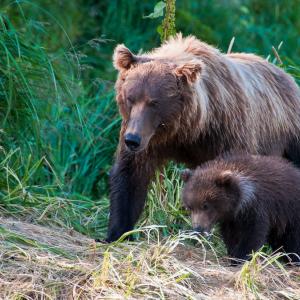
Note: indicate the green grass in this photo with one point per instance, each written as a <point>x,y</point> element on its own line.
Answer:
<point>58,134</point>
<point>22,198</point>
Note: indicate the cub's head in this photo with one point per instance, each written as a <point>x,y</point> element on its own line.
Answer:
<point>213,195</point>
<point>150,95</point>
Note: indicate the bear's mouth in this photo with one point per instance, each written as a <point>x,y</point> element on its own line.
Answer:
<point>202,232</point>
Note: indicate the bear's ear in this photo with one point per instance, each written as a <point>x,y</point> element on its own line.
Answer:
<point>190,71</point>
<point>225,179</point>
<point>123,58</point>
<point>186,174</point>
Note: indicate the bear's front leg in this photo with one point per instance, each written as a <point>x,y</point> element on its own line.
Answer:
<point>251,236</point>
<point>129,180</point>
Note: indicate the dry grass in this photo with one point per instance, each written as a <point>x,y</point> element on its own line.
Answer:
<point>54,263</point>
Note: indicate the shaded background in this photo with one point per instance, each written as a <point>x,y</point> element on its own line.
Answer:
<point>59,121</point>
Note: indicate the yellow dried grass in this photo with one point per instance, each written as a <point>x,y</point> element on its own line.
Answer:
<point>39,262</point>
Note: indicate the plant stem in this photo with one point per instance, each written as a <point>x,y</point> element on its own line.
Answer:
<point>168,23</point>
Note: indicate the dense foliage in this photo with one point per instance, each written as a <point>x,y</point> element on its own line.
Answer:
<point>59,121</point>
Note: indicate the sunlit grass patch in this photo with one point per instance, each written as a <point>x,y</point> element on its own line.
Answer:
<point>164,205</point>
<point>24,198</point>
<point>155,267</point>
<point>267,274</point>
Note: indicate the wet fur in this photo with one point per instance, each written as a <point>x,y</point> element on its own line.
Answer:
<point>221,102</point>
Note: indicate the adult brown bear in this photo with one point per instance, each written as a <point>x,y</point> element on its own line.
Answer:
<point>188,102</point>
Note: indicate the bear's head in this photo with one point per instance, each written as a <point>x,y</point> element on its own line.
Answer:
<point>214,195</point>
<point>150,96</point>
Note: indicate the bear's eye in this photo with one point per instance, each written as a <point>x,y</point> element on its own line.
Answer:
<point>130,100</point>
<point>205,206</point>
<point>153,103</point>
<point>187,207</point>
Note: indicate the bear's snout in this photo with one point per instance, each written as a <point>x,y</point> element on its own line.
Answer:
<point>198,229</point>
<point>201,230</point>
<point>132,141</point>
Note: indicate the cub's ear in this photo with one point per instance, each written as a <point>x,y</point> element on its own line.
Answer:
<point>123,58</point>
<point>225,179</point>
<point>186,174</point>
<point>190,71</point>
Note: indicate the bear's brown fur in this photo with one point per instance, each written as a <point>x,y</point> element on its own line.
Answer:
<point>255,199</point>
<point>188,102</point>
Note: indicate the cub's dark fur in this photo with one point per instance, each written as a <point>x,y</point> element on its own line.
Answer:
<point>255,199</point>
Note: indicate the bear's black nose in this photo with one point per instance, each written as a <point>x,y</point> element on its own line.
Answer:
<point>132,141</point>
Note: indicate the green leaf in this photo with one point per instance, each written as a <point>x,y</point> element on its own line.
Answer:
<point>159,30</point>
<point>158,11</point>
<point>244,9</point>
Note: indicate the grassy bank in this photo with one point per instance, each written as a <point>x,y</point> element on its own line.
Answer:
<point>39,262</point>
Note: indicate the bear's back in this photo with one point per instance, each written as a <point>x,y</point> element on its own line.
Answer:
<point>275,184</point>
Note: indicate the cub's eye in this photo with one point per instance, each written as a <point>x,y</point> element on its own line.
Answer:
<point>187,207</point>
<point>205,206</point>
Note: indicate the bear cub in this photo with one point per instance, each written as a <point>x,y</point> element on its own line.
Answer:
<point>255,200</point>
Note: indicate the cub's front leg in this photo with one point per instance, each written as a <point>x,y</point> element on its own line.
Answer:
<point>245,238</point>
